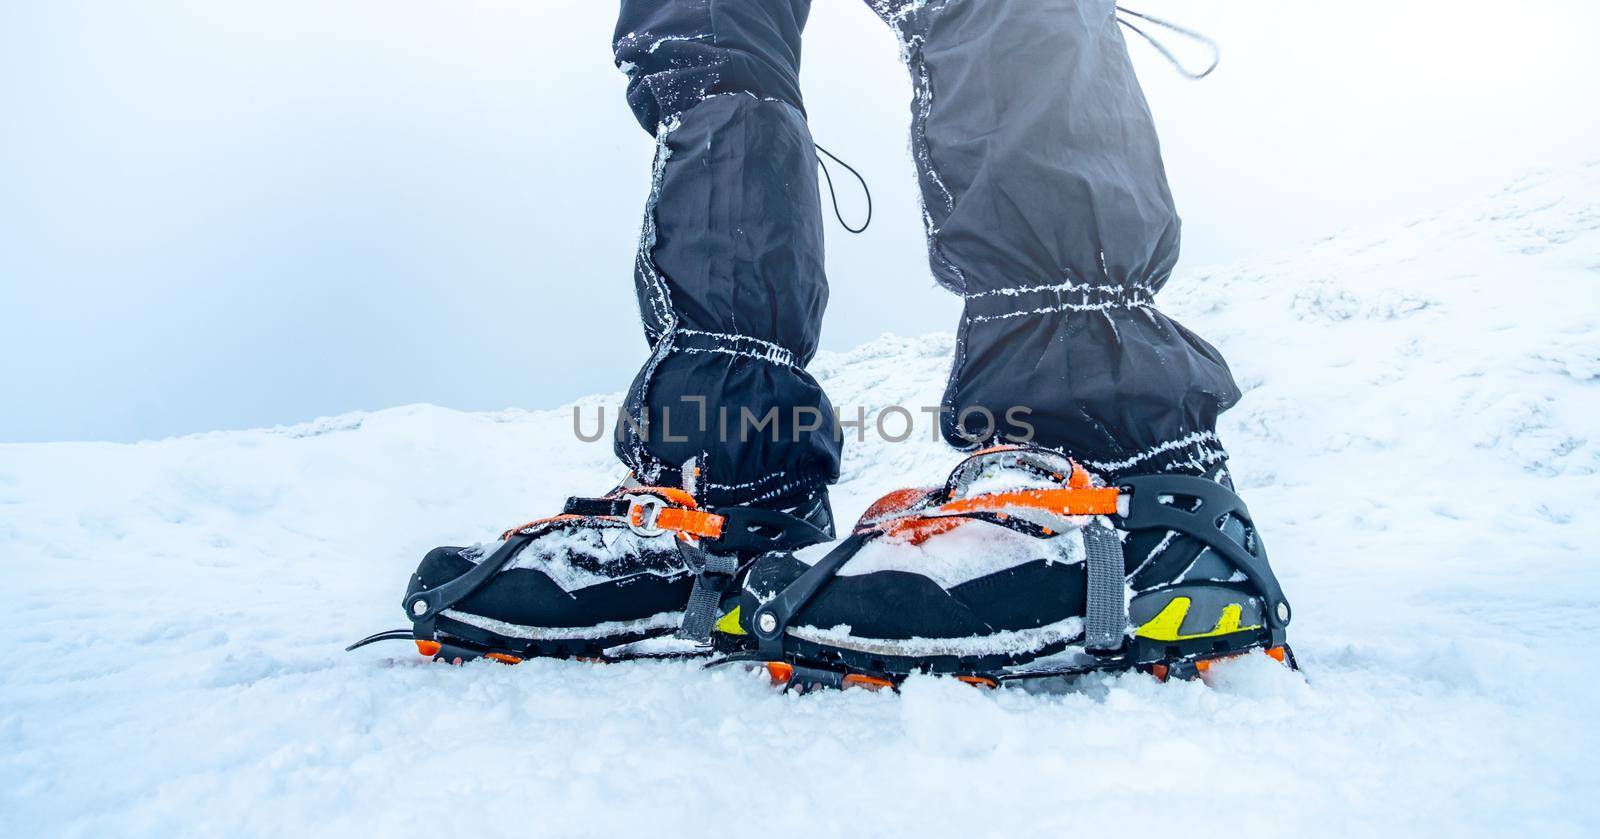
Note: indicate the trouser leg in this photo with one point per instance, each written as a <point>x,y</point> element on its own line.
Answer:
<point>730,263</point>
<point>1047,209</point>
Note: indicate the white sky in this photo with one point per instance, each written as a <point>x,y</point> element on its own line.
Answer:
<point>237,214</point>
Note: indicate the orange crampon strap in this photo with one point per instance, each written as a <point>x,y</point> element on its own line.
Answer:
<point>669,508</point>
<point>915,515</point>
<point>917,528</point>
<point>535,523</point>
<point>1075,495</point>
<point>648,510</point>
<point>1070,501</point>
<point>680,520</point>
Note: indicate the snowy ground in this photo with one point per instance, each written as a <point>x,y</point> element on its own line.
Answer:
<point>1418,437</point>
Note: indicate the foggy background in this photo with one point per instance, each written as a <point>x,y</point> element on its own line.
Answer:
<point>224,215</point>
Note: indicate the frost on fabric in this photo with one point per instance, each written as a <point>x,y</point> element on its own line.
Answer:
<point>1131,300</point>
<point>1066,286</point>
<point>1206,451</point>
<point>656,44</point>
<point>741,346</point>
<point>902,18</point>
<point>632,40</point>
<point>662,318</point>
<point>897,12</point>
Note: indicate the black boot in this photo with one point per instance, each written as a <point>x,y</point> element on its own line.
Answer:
<point>1015,569</point>
<point>636,564</point>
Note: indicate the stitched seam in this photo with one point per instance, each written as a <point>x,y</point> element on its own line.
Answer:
<point>1066,307</point>
<point>730,344</point>
<point>1205,441</point>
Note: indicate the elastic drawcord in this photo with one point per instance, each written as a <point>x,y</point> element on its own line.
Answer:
<point>835,196</point>
<point>1216,51</point>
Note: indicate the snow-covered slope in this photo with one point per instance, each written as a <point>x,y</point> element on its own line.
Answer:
<point>1418,438</point>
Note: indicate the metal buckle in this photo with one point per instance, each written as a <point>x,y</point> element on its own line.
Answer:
<point>1043,463</point>
<point>649,508</point>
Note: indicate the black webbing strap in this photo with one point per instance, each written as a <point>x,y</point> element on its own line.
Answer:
<point>714,577</point>
<point>577,506</point>
<point>745,531</point>
<point>1105,610</point>
<point>754,530</point>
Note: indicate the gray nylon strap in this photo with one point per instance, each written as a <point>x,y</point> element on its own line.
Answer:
<point>1106,612</point>
<point>701,613</point>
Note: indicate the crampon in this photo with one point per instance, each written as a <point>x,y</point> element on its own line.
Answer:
<point>1015,572</point>
<point>609,579</point>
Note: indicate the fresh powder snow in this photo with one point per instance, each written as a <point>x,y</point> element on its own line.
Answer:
<point>1418,440</point>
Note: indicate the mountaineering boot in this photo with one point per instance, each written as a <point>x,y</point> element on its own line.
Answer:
<point>638,563</point>
<point>1015,569</point>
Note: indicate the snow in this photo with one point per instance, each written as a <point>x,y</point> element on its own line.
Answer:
<point>999,643</point>
<point>1417,440</point>
<point>959,556</point>
<point>557,547</point>
<point>604,629</point>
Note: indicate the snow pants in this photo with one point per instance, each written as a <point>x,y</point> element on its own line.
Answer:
<point>1046,208</point>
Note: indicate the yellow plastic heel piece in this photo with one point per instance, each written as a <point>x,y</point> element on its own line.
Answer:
<point>729,624</point>
<point>1167,626</point>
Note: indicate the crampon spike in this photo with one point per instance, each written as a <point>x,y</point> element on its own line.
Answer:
<point>1201,668</point>
<point>391,635</point>
<point>857,680</point>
